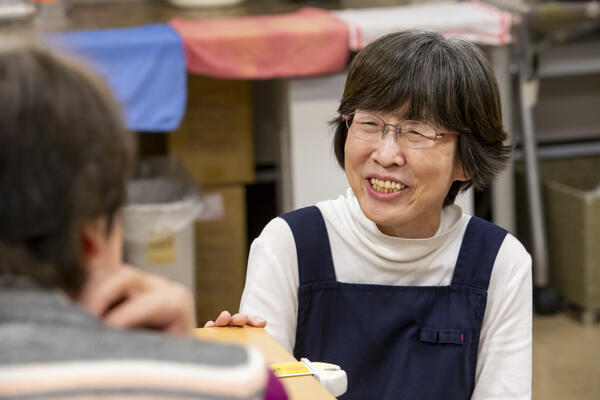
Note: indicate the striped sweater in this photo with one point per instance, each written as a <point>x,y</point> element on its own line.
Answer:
<point>50,348</point>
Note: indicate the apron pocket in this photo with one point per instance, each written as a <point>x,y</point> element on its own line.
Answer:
<point>432,335</point>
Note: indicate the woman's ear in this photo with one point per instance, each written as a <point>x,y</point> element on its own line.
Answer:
<point>101,247</point>
<point>101,250</point>
<point>92,238</point>
<point>459,172</point>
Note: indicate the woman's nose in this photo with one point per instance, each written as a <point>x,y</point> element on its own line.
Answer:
<point>389,150</point>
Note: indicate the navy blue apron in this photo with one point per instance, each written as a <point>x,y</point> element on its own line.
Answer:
<point>394,342</point>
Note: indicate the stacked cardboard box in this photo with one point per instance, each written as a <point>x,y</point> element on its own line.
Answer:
<point>215,145</point>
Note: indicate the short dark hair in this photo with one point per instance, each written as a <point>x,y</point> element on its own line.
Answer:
<point>445,81</point>
<point>65,159</point>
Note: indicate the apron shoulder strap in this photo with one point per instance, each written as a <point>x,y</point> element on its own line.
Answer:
<point>315,263</point>
<point>478,252</point>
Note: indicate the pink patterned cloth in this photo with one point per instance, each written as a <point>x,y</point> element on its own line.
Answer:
<point>310,41</point>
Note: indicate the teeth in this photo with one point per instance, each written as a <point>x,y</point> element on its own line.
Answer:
<point>386,186</point>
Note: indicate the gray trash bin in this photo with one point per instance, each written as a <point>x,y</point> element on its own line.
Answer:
<point>158,232</point>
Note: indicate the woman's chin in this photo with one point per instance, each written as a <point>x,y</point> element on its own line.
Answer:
<point>382,214</point>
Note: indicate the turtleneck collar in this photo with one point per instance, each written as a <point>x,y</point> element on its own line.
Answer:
<point>387,246</point>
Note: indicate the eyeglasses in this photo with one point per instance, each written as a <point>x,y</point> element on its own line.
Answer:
<point>371,127</point>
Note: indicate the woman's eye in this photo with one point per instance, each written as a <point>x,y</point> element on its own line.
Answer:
<point>370,125</point>
<point>415,136</point>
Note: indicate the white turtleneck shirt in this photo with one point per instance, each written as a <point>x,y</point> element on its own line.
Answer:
<point>362,254</point>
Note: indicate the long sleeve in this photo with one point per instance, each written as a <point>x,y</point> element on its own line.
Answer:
<point>272,282</point>
<point>504,360</point>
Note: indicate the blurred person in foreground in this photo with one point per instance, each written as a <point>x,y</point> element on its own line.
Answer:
<point>74,320</point>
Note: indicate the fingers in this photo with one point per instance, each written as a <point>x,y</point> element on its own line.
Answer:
<point>129,298</point>
<point>163,308</point>
<point>257,321</point>
<point>226,319</point>
<point>223,319</point>
<point>105,290</point>
<point>239,319</point>
<point>137,312</point>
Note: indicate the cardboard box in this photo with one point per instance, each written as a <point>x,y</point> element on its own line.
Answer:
<point>214,141</point>
<point>221,252</point>
<point>572,213</point>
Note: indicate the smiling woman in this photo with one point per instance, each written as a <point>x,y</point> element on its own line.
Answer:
<point>391,281</point>
<point>424,165</point>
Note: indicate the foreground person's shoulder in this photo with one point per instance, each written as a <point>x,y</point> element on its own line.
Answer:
<point>139,364</point>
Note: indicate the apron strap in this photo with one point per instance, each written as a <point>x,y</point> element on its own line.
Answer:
<point>478,253</point>
<point>315,263</point>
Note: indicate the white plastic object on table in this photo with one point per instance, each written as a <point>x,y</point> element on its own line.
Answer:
<point>331,376</point>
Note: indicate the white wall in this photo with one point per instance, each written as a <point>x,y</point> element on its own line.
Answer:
<point>313,171</point>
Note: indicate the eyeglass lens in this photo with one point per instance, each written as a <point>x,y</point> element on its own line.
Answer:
<point>370,126</point>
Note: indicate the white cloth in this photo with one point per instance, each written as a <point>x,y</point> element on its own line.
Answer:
<point>472,20</point>
<point>362,254</point>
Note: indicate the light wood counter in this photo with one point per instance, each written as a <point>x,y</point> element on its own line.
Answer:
<point>297,387</point>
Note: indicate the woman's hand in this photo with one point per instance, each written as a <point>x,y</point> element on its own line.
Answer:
<point>226,319</point>
<point>129,298</point>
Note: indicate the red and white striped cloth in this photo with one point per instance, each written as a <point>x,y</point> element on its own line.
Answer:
<point>474,21</point>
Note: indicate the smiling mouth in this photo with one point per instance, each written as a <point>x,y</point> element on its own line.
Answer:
<point>386,186</point>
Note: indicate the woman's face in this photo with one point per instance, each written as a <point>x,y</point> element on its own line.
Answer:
<point>419,179</point>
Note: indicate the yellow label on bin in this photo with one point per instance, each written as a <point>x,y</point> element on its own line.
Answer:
<point>290,369</point>
<point>161,251</point>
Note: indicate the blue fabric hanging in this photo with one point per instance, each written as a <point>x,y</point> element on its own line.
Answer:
<point>144,66</point>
